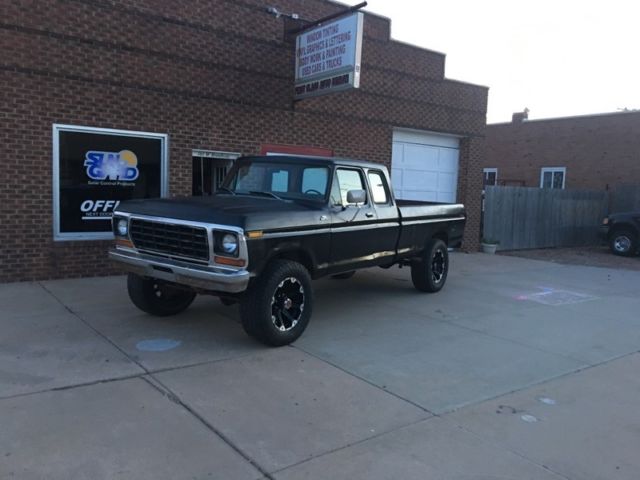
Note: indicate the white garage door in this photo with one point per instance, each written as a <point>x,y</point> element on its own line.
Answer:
<point>424,166</point>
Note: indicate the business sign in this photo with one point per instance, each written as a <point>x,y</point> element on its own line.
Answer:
<point>94,169</point>
<point>328,57</point>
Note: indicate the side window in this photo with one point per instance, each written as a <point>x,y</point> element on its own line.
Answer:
<point>378,187</point>
<point>349,180</point>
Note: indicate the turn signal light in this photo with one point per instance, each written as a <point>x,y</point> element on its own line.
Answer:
<point>235,262</point>
<point>124,242</point>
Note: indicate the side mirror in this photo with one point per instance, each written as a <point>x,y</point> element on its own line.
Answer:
<point>356,196</point>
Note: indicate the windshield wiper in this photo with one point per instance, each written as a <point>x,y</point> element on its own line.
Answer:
<point>265,194</point>
<point>225,189</point>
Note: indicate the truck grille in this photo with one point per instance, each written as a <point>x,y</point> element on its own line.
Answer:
<point>180,241</point>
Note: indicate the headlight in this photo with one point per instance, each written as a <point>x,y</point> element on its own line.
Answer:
<point>229,243</point>
<point>122,227</point>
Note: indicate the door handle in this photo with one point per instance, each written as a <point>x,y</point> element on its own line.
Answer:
<point>368,215</point>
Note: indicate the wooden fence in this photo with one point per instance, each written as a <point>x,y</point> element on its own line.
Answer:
<point>520,217</point>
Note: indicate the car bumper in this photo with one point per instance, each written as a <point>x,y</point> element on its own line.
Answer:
<point>203,277</point>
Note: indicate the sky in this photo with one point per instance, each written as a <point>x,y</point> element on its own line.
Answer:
<point>556,58</point>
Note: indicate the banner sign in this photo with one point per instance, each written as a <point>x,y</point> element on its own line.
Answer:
<point>94,169</point>
<point>328,57</point>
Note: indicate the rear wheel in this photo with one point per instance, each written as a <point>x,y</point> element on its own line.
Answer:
<point>623,242</point>
<point>276,309</point>
<point>429,271</point>
<point>157,297</point>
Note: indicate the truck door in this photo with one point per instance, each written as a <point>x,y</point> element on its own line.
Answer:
<point>352,226</point>
<point>388,219</point>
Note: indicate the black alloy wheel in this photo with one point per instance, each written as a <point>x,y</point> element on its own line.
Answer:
<point>277,308</point>
<point>287,304</point>
<point>429,271</point>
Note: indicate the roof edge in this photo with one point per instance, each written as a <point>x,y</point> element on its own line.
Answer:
<point>568,117</point>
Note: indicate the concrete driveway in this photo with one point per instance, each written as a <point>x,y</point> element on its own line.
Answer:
<point>518,369</point>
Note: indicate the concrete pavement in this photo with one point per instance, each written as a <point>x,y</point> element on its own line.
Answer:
<point>517,369</point>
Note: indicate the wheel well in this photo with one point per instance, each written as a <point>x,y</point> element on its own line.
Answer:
<point>442,236</point>
<point>299,256</point>
<point>623,226</point>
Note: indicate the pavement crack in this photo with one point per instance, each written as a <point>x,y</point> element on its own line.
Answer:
<point>505,448</point>
<point>95,330</point>
<point>162,388</point>
<point>367,381</point>
<point>175,398</point>
<point>352,444</point>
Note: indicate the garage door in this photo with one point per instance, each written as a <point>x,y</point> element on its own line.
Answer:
<point>424,166</point>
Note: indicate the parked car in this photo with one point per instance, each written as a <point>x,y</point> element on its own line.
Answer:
<point>276,223</point>
<point>622,232</point>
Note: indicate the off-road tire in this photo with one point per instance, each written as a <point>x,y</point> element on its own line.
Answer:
<point>429,271</point>
<point>623,242</point>
<point>158,298</point>
<point>344,276</point>
<point>263,309</point>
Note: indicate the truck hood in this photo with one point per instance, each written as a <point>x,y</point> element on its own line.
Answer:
<point>245,211</point>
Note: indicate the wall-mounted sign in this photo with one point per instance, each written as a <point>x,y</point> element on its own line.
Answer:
<point>328,57</point>
<point>94,169</point>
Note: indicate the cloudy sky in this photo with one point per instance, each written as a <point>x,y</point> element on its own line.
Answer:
<point>557,58</point>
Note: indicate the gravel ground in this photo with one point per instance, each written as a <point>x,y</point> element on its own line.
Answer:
<point>599,256</point>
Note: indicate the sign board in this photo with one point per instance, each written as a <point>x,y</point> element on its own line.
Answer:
<point>94,169</point>
<point>328,57</point>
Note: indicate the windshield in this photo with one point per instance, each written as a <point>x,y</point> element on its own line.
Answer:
<point>291,181</point>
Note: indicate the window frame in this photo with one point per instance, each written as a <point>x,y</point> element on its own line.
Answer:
<point>385,186</point>
<point>553,170</point>
<point>484,174</point>
<point>363,180</point>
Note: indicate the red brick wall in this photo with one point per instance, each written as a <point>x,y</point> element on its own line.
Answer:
<point>213,75</point>
<point>598,151</point>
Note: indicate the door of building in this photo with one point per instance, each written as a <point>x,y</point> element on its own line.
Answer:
<point>209,169</point>
<point>424,166</point>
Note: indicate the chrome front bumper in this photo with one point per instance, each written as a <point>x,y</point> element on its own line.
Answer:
<point>215,279</point>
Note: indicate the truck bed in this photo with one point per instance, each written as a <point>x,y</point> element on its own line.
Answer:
<point>420,220</point>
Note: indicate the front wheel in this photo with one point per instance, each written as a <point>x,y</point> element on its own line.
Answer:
<point>158,298</point>
<point>276,309</point>
<point>623,242</point>
<point>429,271</point>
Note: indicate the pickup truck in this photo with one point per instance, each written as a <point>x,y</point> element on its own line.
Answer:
<point>276,223</point>
<point>622,232</point>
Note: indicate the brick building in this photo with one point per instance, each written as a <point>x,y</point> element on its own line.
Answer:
<point>216,78</point>
<point>594,152</point>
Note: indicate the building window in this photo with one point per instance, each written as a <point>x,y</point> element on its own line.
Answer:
<point>209,169</point>
<point>94,169</point>
<point>553,177</point>
<point>490,177</point>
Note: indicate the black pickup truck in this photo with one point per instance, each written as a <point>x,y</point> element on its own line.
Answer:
<point>277,223</point>
<point>622,232</point>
